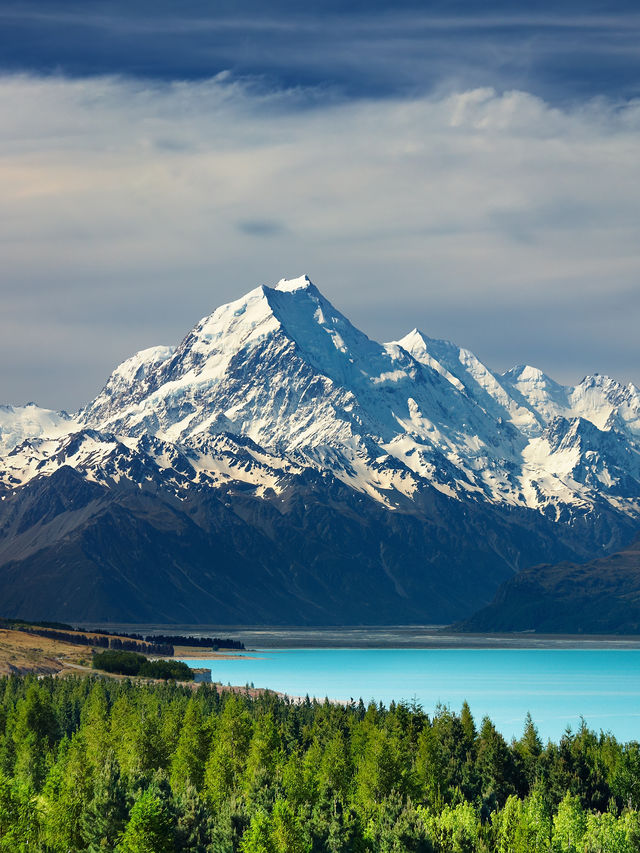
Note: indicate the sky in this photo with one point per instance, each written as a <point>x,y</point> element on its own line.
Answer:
<point>472,169</point>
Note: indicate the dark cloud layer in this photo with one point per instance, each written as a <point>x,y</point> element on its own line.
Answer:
<point>355,49</point>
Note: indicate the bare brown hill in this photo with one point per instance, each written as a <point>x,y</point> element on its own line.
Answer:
<point>21,652</point>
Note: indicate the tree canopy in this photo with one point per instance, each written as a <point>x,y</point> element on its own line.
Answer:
<point>94,764</point>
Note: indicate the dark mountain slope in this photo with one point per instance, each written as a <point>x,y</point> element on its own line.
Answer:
<point>318,553</point>
<point>598,597</point>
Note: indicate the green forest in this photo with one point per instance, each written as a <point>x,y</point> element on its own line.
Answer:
<point>94,764</point>
<point>132,663</point>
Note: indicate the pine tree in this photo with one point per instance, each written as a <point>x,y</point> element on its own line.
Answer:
<point>35,732</point>
<point>68,789</point>
<point>262,760</point>
<point>286,833</point>
<point>257,838</point>
<point>468,725</point>
<point>569,825</point>
<point>228,756</point>
<point>188,763</point>
<point>19,817</point>
<point>335,769</point>
<point>193,824</point>
<point>496,767</point>
<point>300,775</point>
<point>430,767</point>
<point>149,829</point>
<point>95,725</point>
<point>379,771</point>
<point>105,816</point>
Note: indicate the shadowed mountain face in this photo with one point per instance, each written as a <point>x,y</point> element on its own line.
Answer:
<point>318,553</point>
<point>278,466</point>
<point>598,597</point>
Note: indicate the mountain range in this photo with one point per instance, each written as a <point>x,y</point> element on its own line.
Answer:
<point>278,466</point>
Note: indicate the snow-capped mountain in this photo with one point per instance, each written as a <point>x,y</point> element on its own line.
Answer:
<point>30,421</point>
<point>278,394</point>
<point>284,368</point>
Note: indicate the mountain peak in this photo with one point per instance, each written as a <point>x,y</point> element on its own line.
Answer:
<point>598,380</point>
<point>525,373</point>
<point>417,339</point>
<point>288,285</point>
<point>415,336</point>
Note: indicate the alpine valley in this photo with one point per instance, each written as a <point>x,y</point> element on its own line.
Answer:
<point>279,467</point>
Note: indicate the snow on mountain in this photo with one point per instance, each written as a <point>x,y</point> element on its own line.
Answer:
<point>108,460</point>
<point>279,381</point>
<point>131,378</point>
<point>589,460</point>
<point>606,403</point>
<point>283,367</point>
<point>467,373</point>
<point>31,421</point>
<point>541,394</point>
<point>597,398</point>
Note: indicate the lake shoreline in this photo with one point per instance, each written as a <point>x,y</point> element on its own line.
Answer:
<point>382,637</point>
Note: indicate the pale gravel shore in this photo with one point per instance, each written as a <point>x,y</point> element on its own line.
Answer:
<point>376,637</point>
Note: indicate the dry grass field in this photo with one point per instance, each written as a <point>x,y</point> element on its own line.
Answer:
<point>21,652</point>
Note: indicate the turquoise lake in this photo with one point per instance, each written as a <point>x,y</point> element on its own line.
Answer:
<point>557,686</point>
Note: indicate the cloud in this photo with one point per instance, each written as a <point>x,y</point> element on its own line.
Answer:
<point>260,227</point>
<point>558,51</point>
<point>128,209</point>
